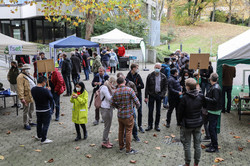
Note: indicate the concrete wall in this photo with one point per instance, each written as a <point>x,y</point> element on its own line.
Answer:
<point>150,55</point>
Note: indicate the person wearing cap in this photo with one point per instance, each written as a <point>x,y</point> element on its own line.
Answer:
<point>12,76</point>
<point>25,82</point>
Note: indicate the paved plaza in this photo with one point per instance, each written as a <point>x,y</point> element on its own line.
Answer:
<point>19,147</point>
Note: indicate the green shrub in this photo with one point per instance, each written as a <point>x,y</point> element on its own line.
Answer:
<point>220,16</point>
<point>161,54</point>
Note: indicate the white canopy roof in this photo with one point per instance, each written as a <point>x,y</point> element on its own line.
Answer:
<point>27,48</point>
<point>236,48</point>
<point>116,36</point>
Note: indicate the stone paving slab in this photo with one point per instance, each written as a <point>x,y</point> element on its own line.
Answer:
<point>19,147</point>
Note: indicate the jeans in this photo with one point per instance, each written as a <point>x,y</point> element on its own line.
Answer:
<point>152,100</point>
<point>173,104</point>
<point>139,111</point>
<point>228,90</point>
<point>165,101</point>
<point>105,64</point>
<point>186,134</point>
<point>86,72</point>
<point>56,98</point>
<point>27,113</point>
<point>125,124</point>
<point>68,84</point>
<point>43,121</point>
<point>205,87</point>
<point>135,131</point>
<point>213,119</point>
<point>107,116</point>
<point>75,79</point>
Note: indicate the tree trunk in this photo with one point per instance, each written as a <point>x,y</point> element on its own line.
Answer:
<point>169,9</point>
<point>249,13</point>
<point>230,12</point>
<point>161,9</point>
<point>90,21</point>
<point>189,8</point>
<point>157,10</point>
<point>214,12</point>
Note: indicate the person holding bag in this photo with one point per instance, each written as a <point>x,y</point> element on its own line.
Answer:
<point>79,99</point>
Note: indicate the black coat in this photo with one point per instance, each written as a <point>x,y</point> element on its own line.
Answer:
<point>214,98</point>
<point>205,74</point>
<point>150,85</point>
<point>66,67</point>
<point>190,115</point>
<point>76,64</point>
<point>137,80</point>
<point>97,79</point>
<point>174,88</point>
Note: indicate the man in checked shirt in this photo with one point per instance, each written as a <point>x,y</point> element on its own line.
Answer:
<point>123,99</point>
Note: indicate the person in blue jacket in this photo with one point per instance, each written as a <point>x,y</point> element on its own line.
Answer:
<point>165,67</point>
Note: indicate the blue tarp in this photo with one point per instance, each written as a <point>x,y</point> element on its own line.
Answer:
<point>73,42</point>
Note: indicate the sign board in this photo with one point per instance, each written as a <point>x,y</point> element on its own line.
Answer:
<point>15,49</point>
<point>44,66</point>
<point>199,59</point>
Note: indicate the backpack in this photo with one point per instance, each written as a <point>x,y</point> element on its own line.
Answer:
<point>98,100</point>
<point>112,59</point>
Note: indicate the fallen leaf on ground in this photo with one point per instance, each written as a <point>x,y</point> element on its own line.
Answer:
<point>51,161</point>
<point>231,153</point>
<point>240,148</point>
<point>164,124</point>
<point>172,135</point>
<point>60,123</point>
<point>64,127</point>
<point>146,142</point>
<point>232,133</point>
<point>237,137</point>
<point>167,137</point>
<point>158,148</point>
<point>1,157</point>
<point>110,131</point>
<point>248,140</point>
<point>219,147</point>
<point>77,148</point>
<point>38,150</point>
<point>92,145</point>
<point>218,159</point>
<point>155,135</point>
<point>8,132</point>
<point>62,114</point>
<point>203,131</point>
<point>88,156</point>
<point>163,156</point>
<point>116,139</point>
<point>6,113</point>
<point>173,141</point>
<point>214,165</point>
<point>203,146</point>
<point>33,136</point>
<point>133,161</point>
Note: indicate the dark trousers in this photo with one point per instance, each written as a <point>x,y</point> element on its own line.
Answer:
<point>56,98</point>
<point>173,104</point>
<point>139,111</point>
<point>134,132</point>
<point>205,123</point>
<point>152,100</point>
<point>77,126</point>
<point>75,79</point>
<point>228,90</point>
<point>97,114</point>
<point>111,69</point>
<point>68,84</point>
<point>205,87</point>
<point>43,121</point>
<point>86,72</point>
<point>213,119</point>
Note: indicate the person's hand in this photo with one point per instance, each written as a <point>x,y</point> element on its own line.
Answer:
<point>48,88</point>
<point>146,100</point>
<point>198,87</point>
<point>180,93</point>
<point>24,102</point>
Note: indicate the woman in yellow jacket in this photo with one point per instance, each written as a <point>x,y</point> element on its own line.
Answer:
<point>80,109</point>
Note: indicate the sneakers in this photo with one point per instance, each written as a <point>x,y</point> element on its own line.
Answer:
<point>32,124</point>
<point>37,138</point>
<point>132,151</point>
<point>212,150</point>
<point>122,149</point>
<point>167,125</point>
<point>57,119</point>
<point>149,128</point>
<point>95,123</point>
<point>141,130</point>
<point>206,139</point>
<point>47,141</point>
<point>27,127</point>
<point>136,138</point>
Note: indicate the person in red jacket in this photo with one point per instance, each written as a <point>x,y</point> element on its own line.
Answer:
<point>121,51</point>
<point>57,88</point>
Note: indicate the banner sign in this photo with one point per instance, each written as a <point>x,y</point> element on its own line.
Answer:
<point>15,49</point>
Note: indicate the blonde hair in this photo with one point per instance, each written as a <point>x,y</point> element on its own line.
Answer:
<point>107,83</point>
<point>191,83</point>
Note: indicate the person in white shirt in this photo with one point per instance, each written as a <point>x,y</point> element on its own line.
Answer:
<point>106,92</point>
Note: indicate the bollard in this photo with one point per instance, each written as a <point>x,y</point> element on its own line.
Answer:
<point>199,50</point>
<point>168,46</point>
<point>181,47</point>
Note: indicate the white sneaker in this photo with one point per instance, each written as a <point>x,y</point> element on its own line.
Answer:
<point>38,139</point>
<point>47,141</point>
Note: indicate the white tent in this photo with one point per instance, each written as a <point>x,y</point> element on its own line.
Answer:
<point>116,36</point>
<point>27,48</point>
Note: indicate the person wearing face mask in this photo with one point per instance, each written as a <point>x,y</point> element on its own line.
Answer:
<point>183,79</point>
<point>156,87</point>
<point>135,77</point>
<point>12,76</point>
<point>165,69</point>
<point>174,94</point>
<point>121,50</point>
<point>25,82</point>
<point>174,64</point>
<point>79,99</point>
<point>44,101</point>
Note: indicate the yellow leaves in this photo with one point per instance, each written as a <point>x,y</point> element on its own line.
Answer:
<point>69,19</point>
<point>1,157</point>
<point>218,159</point>
<point>75,24</point>
<point>21,145</point>
<point>108,19</point>
<point>92,145</point>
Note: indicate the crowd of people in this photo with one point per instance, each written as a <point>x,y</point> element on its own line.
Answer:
<point>197,99</point>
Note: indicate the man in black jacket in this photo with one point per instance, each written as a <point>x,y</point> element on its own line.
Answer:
<point>190,119</point>
<point>137,80</point>
<point>174,94</point>
<point>205,74</point>
<point>214,106</point>
<point>66,70</point>
<point>156,87</point>
<point>76,68</point>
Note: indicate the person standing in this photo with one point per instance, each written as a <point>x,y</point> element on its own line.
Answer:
<point>228,74</point>
<point>189,117</point>
<point>121,50</point>
<point>135,77</point>
<point>66,71</point>
<point>214,106</point>
<point>174,94</point>
<point>113,61</point>
<point>25,83</point>
<point>12,78</point>
<point>59,88</point>
<point>98,81</point>
<point>205,74</point>
<point>156,87</point>
<point>79,99</point>
<point>96,63</point>
<point>76,68</point>
<point>42,55</point>
<point>166,70</point>
<point>44,101</point>
<point>105,56</point>
<point>124,99</point>
<point>86,59</point>
<point>106,92</point>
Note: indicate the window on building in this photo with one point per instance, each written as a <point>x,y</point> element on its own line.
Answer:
<point>5,27</point>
